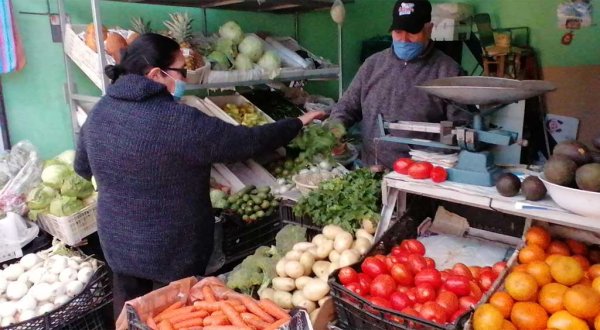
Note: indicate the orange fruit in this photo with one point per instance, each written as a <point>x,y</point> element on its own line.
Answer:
<point>583,261</point>
<point>558,247</point>
<point>540,271</point>
<point>538,235</point>
<point>529,315</point>
<point>521,286</point>
<point>582,301</point>
<point>551,258</point>
<point>563,320</point>
<point>503,302</point>
<point>520,268</point>
<point>596,284</point>
<point>585,281</point>
<point>566,270</point>
<point>531,253</point>
<point>551,297</point>
<point>597,322</point>
<point>594,271</point>
<point>507,325</point>
<point>487,317</point>
<point>577,247</point>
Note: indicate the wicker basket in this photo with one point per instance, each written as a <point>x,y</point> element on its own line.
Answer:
<point>307,182</point>
<point>72,229</point>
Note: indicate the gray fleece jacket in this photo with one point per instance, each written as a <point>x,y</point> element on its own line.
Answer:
<point>385,85</point>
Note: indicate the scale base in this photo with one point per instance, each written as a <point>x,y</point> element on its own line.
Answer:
<point>476,168</point>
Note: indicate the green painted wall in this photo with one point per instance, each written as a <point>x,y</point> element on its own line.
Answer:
<point>34,99</point>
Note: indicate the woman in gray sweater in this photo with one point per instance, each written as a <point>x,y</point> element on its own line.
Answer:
<point>151,157</point>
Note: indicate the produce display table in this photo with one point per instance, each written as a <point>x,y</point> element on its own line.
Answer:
<point>395,188</point>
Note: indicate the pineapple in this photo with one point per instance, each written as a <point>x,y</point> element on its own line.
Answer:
<point>139,27</point>
<point>180,29</point>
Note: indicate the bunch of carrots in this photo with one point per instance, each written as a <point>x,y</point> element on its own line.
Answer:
<point>235,312</point>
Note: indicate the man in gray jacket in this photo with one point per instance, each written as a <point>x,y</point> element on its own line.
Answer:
<point>385,84</point>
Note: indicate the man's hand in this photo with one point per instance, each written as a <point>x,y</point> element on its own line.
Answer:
<point>308,117</point>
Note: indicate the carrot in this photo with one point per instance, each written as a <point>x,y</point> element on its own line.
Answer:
<point>189,323</point>
<point>216,320</point>
<point>218,313</point>
<point>188,316</point>
<point>240,308</point>
<point>274,310</point>
<point>233,302</point>
<point>150,322</point>
<point>172,313</point>
<point>165,325</point>
<point>208,294</point>
<point>255,309</point>
<point>233,316</point>
<point>173,306</point>
<point>254,321</point>
<point>191,328</point>
<point>225,327</point>
<point>278,324</point>
<point>208,306</point>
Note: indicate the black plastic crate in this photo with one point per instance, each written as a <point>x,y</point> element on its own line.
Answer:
<point>96,294</point>
<point>286,213</point>
<point>93,320</point>
<point>241,239</point>
<point>354,312</point>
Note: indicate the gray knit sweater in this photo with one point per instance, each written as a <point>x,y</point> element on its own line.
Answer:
<point>151,158</point>
<point>385,85</point>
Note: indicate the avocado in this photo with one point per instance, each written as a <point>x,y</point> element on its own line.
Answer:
<point>560,170</point>
<point>574,150</point>
<point>533,188</point>
<point>588,177</point>
<point>508,185</point>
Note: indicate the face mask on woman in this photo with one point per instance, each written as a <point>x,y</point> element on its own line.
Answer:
<point>179,89</point>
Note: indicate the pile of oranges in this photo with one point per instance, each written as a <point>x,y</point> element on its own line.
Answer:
<point>555,286</point>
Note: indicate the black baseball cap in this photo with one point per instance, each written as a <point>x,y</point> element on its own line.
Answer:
<point>410,15</point>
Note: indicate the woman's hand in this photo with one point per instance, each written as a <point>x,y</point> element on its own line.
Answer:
<point>308,117</point>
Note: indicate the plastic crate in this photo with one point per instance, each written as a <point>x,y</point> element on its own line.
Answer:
<point>286,213</point>
<point>94,320</point>
<point>354,312</point>
<point>96,294</point>
<point>72,229</point>
<point>240,238</point>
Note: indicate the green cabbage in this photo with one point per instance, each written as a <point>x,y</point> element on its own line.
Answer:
<point>76,186</point>
<point>243,63</point>
<point>231,30</point>
<point>252,47</point>
<point>54,175</point>
<point>270,61</point>
<point>33,215</point>
<point>219,61</point>
<point>65,205</point>
<point>40,197</point>
<point>67,157</point>
<point>226,47</point>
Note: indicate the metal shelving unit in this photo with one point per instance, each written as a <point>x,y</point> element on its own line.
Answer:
<point>80,104</point>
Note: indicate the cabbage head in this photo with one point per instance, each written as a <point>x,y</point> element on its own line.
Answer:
<point>219,61</point>
<point>40,197</point>
<point>76,186</point>
<point>54,175</point>
<point>33,215</point>
<point>226,47</point>
<point>270,61</point>
<point>67,157</point>
<point>252,47</point>
<point>64,206</point>
<point>231,30</point>
<point>243,63</point>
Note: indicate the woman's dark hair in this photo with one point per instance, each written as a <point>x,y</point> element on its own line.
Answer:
<point>146,52</point>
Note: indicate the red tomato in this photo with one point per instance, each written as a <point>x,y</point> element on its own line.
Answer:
<point>412,294</point>
<point>380,257</point>
<point>416,263</point>
<point>444,274</point>
<point>486,280</point>
<point>397,251</point>
<point>475,271</point>
<point>475,290</point>
<point>381,302</point>
<point>402,274</point>
<point>402,288</point>
<point>400,301</point>
<point>433,312</point>
<point>430,262</point>
<point>462,269</point>
<point>401,165</point>
<point>460,312</point>
<point>365,282</point>
<point>355,287</point>
<point>420,170</point>
<point>390,261</point>
<point>418,307</point>
<point>439,174</point>
<point>382,286</point>
<point>429,276</point>
<point>413,246</point>
<point>373,266</point>
<point>458,284</point>
<point>425,292</point>
<point>347,275</point>
<point>448,301</point>
<point>487,269</point>
<point>467,302</point>
<point>499,267</point>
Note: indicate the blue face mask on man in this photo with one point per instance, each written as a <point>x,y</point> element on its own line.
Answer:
<point>407,51</point>
<point>179,89</point>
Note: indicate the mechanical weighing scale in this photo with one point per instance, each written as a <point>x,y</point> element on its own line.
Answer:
<point>480,97</point>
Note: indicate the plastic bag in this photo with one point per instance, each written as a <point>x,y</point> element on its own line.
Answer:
<point>15,233</point>
<point>23,157</point>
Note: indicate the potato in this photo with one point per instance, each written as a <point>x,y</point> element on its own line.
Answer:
<point>283,299</point>
<point>323,249</point>
<point>321,269</point>
<point>315,289</point>
<point>267,293</point>
<point>283,284</point>
<point>332,231</point>
<point>362,245</point>
<point>294,269</point>
<point>334,256</point>
<point>343,241</point>
<point>293,255</point>
<point>307,260</point>
<point>301,282</point>
<point>280,268</point>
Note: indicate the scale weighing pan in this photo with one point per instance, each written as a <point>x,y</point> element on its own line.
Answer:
<point>485,90</point>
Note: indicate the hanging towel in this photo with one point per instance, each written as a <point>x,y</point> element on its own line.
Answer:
<point>12,55</point>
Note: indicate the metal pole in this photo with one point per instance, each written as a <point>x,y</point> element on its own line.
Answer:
<point>69,87</point>
<point>340,59</point>
<point>297,26</point>
<point>99,42</point>
<point>205,27</point>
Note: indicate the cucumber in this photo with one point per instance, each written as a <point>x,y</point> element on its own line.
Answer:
<point>265,190</point>
<point>246,198</point>
<point>232,199</point>
<point>265,205</point>
<point>252,218</point>
<point>246,190</point>
<point>260,214</point>
<point>250,203</point>
<point>257,200</point>
<point>256,208</point>
<point>274,203</point>
<point>245,218</point>
<point>262,195</point>
<point>254,192</point>
<point>248,210</point>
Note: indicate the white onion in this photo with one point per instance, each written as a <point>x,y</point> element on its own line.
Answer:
<point>13,272</point>
<point>8,309</point>
<point>85,274</point>
<point>27,315</point>
<point>27,302</point>
<point>67,275</point>
<point>16,290</point>
<point>61,300</point>
<point>29,260</point>
<point>45,308</point>
<point>42,292</point>
<point>74,288</point>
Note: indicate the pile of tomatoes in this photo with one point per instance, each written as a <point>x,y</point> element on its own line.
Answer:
<point>555,286</point>
<point>408,282</point>
<point>420,170</point>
